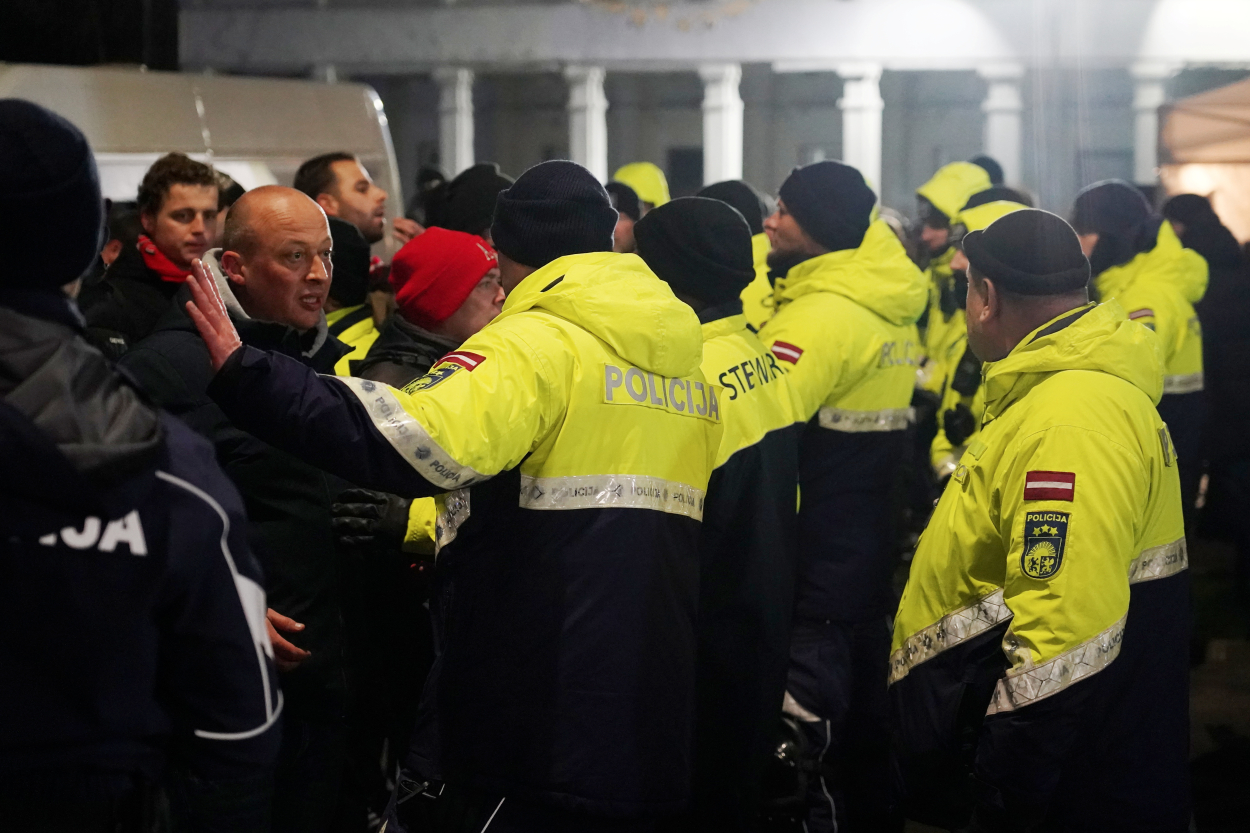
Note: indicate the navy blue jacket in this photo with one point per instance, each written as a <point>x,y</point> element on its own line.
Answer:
<point>130,603</point>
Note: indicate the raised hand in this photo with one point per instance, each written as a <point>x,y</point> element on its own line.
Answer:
<point>208,312</point>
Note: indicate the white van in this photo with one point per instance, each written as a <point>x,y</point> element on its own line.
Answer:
<point>257,130</point>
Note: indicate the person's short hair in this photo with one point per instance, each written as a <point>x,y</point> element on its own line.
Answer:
<point>228,191</point>
<point>170,170</point>
<point>316,176</point>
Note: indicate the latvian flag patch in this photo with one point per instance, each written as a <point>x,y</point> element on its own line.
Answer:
<point>1049,485</point>
<point>787,352</point>
<point>1141,313</point>
<point>469,361</point>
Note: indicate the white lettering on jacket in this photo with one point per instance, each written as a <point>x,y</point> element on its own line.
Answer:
<point>125,530</point>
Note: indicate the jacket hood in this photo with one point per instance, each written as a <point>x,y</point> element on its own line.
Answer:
<point>1168,264</point>
<point>878,275</point>
<point>84,413</point>
<point>1100,337</point>
<point>616,298</point>
<point>213,262</point>
<point>950,188</point>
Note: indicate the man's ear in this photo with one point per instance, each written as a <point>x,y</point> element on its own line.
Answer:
<point>148,222</point>
<point>328,204</point>
<point>232,265</point>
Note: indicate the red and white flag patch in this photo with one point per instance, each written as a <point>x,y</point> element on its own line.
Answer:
<point>1145,312</point>
<point>787,352</point>
<point>469,361</point>
<point>1049,485</point>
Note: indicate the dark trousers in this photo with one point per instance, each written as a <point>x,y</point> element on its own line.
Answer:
<point>309,784</point>
<point>465,810</point>
<point>837,692</point>
<point>1185,415</point>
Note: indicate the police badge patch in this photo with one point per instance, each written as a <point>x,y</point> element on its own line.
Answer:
<point>437,375</point>
<point>1045,536</point>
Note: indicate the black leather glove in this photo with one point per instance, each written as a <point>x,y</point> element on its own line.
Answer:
<point>364,519</point>
<point>959,424</point>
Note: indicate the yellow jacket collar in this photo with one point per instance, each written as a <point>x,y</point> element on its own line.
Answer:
<point>1102,339</point>
<point>878,275</point>
<point>618,299</point>
<point>1168,263</point>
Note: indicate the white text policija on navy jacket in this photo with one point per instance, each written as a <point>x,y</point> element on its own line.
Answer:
<point>587,431</point>
<point>1040,656</point>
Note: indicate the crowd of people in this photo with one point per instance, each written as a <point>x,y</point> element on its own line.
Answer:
<point>298,540</point>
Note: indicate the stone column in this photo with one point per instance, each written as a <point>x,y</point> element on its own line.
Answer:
<point>861,107</point>
<point>1002,108</point>
<point>455,118</point>
<point>588,119</point>
<point>722,122</point>
<point>1149,78</point>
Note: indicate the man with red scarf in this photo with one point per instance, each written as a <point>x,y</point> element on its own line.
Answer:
<point>178,204</point>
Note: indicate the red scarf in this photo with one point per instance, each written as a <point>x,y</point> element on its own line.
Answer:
<point>155,259</point>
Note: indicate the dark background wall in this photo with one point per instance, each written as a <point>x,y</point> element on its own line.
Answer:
<point>90,32</point>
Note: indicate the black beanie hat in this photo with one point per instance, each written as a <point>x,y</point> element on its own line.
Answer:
<point>700,247</point>
<point>990,165</point>
<point>749,202</point>
<point>831,202</point>
<point>1029,252</point>
<point>624,199</point>
<point>46,171</point>
<point>1190,209</point>
<point>1119,214</point>
<point>470,201</point>
<point>554,209</point>
<point>351,258</point>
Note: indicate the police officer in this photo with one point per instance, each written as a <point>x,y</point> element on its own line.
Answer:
<point>1137,259</point>
<point>845,331</point>
<point>582,421</point>
<point>938,201</point>
<point>1039,670</point>
<point>134,650</point>
<point>963,397</point>
<point>702,249</point>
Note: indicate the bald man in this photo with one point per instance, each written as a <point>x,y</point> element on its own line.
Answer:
<point>273,271</point>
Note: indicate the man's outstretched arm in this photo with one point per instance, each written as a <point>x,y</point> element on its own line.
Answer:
<point>291,407</point>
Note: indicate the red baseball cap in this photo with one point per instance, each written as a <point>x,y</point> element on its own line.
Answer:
<point>435,271</point>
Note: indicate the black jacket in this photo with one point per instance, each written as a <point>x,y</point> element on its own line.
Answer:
<point>130,602</point>
<point>287,500</point>
<point>122,308</point>
<point>401,353</point>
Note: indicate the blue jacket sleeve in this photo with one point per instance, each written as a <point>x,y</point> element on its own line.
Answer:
<point>316,418</point>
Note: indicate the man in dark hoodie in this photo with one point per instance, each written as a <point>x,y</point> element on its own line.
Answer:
<point>178,207</point>
<point>121,542</point>
<point>274,267</point>
<point>748,545</point>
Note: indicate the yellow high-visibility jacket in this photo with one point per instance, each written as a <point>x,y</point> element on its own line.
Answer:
<point>355,327</point>
<point>1159,288</point>
<point>757,298</point>
<point>1046,609</point>
<point>587,431</point>
<point>845,328</point>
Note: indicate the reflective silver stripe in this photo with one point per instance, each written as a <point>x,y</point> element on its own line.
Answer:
<point>1159,562</point>
<point>947,632</point>
<point>1189,383</point>
<point>606,491</point>
<point>455,511</point>
<point>408,437</point>
<point>854,422</point>
<point>1030,684</point>
<point>791,707</point>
